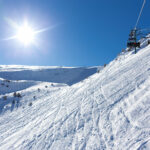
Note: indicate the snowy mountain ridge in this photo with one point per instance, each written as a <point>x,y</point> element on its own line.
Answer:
<point>66,75</point>
<point>104,110</point>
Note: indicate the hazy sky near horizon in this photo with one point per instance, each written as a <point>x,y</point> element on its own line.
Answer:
<point>80,32</point>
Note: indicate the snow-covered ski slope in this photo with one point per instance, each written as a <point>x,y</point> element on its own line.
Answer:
<point>109,110</point>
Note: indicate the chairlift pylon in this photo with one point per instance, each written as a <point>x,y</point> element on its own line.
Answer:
<point>134,33</point>
<point>132,41</point>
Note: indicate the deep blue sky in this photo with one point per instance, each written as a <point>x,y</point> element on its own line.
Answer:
<point>86,32</point>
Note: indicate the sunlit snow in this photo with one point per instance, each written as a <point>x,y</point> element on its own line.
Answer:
<point>77,108</point>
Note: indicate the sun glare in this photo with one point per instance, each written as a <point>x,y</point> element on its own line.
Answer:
<point>25,34</point>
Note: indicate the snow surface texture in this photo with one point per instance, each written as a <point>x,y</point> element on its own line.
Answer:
<point>109,110</point>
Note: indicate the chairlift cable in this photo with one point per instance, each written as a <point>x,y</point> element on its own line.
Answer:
<point>140,13</point>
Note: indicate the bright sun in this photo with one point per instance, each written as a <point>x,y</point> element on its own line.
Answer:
<point>25,34</point>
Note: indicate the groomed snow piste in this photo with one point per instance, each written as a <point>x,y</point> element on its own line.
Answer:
<point>77,108</point>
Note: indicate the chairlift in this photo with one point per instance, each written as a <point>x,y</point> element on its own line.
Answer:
<point>135,33</point>
<point>132,41</point>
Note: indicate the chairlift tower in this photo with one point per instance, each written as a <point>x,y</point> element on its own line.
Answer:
<point>132,41</point>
